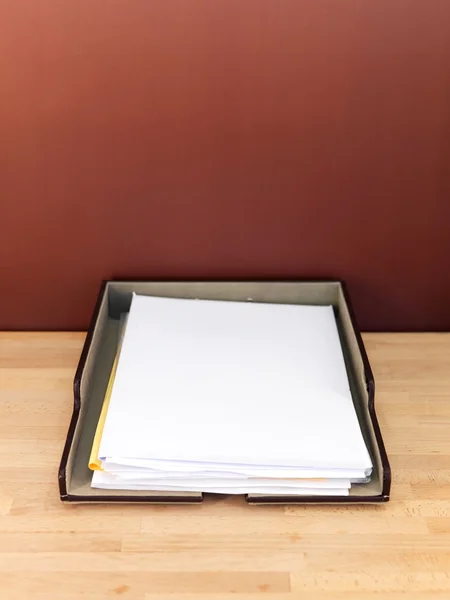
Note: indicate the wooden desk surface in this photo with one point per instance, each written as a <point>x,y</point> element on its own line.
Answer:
<point>224,549</point>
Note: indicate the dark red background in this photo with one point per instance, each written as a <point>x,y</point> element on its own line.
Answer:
<point>225,139</point>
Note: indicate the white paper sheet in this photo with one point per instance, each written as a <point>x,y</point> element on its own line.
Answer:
<point>206,482</point>
<point>107,481</point>
<point>187,468</point>
<point>233,382</point>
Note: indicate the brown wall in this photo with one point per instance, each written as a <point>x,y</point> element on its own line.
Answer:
<point>222,139</point>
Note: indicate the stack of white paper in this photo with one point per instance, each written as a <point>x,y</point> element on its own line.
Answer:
<point>231,397</point>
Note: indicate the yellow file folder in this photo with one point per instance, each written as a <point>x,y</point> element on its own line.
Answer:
<point>95,464</point>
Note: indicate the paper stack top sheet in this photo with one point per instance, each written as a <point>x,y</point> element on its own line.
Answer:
<point>231,397</point>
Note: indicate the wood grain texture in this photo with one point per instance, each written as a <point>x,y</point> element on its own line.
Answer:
<point>224,548</point>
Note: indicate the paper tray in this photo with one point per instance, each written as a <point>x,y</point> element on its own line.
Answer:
<point>98,354</point>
